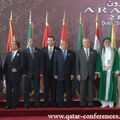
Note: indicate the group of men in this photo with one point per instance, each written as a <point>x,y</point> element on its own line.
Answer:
<point>59,66</point>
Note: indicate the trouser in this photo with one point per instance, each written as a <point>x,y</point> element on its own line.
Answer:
<point>36,88</point>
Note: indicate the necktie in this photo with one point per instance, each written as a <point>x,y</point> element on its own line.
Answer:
<point>64,54</point>
<point>12,56</point>
<point>32,52</point>
<point>87,54</point>
<point>50,52</point>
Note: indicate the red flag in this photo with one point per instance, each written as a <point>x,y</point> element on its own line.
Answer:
<point>46,32</point>
<point>97,43</point>
<point>64,31</point>
<point>11,36</point>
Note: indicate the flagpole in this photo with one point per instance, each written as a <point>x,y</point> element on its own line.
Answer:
<point>46,18</point>
<point>11,16</point>
<point>80,18</point>
<point>30,17</point>
<point>64,19</point>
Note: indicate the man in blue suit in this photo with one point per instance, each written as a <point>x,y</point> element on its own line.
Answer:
<point>49,81</point>
<point>33,71</point>
<point>64,72</point>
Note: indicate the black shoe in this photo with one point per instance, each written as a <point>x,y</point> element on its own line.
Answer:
<point>36,106</point>
<point>82,105</point>
<point>60,106</point>
<point>90,105</point>
<point>14,107</point>
<point>26,106</point>
<point>53,105</point>
<point>8,107</point>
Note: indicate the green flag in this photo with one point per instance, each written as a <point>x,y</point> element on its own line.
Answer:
<point>29,36</point>
<point>79,46</point>
<point>30,30</point>
<point>80,36</point>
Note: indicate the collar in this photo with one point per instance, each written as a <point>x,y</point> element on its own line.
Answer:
<point>51,47</point>
<point>32,48</point>
<point>15,51</point>
<point>86,49</point>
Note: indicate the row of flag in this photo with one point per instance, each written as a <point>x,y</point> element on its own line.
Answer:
<point>97,41</point>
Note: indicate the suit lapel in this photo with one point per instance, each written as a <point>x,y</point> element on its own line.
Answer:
<point>68,53</point>
<point>90,54</point>
<point>47,52</point>
<point>84,55</point>
<point>15,55</point>
<point>61,53</point>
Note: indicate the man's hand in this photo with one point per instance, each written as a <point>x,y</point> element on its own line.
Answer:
<point>72,77</point>
<point>95,77</point>
<point>98,75</point>
<point>24,75</point>
<point>78,77</point>
<point>41,77</point>
<point>55,77</point>
<point>14,70</point>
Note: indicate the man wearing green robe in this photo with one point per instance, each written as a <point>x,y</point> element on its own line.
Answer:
<point>107,69</point>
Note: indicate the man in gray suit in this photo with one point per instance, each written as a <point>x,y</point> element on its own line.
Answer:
<point>85,69</point>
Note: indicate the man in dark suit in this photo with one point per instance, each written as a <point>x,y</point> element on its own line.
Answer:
<point>86,63</point>
<point>64,72</point>
<point>33,71</point>
<point>12,69</point>
<point>49,81</point>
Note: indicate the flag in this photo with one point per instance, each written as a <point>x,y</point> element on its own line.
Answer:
<point>29,36</point>
<point>79,46</point>
<point>11,36</point>
<point>30,30</point>
<point>64,30</point>
<point>112,35</point>
<point>46,32</point>
<point>80,34</point>
<point>97,43</point>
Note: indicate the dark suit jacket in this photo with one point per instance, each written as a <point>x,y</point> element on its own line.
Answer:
<point>48,63</point>
<point>33,67</point>
<point>84,67</point>
<point>64,68</point>
<point>16,63</point>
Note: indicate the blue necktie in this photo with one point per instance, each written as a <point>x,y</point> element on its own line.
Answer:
<point>32,52</point>
<point>65,54</point>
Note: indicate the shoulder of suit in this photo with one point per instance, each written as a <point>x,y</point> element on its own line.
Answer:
<point>19,51</point>
<point>36,48</point>
<point>25,49</point>
<point>56,49</point>
<point>44,48</point>
<point>81,50</point>
<point>91,49</point>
